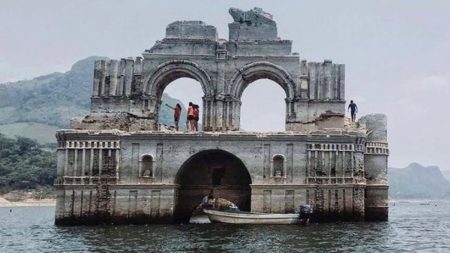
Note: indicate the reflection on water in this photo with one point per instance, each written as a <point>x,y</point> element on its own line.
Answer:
<point>411,227</point>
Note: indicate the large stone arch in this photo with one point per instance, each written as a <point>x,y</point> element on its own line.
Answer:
<point>214,169</point>
<point>261,70</point>
<point>168,72</point>
<point>252,72</point>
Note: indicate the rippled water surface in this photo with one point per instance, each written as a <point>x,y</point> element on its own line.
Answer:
<point>412,227</point>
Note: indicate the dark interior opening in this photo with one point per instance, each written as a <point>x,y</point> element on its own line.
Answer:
<point>215,170</point>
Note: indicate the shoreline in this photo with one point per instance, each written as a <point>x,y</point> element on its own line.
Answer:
<point>27,203</point>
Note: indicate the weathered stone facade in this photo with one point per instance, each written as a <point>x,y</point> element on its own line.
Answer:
<point>116,165</point>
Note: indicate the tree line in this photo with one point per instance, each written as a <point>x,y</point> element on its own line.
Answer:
<point>25,164</point>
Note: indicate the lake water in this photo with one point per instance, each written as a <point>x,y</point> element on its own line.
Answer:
<point>411,227</point>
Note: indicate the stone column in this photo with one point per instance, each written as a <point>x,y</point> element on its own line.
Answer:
<point>83,161</point>
<point>219,113</point>
<point>236,114</point>
<point>100,157</point>
<point>97,78</point>
<point>128,76</point>
<point>91,164</point>
<point>66,161</point>
<point>375,166</point>
<point>75,164</point>
<point>207,110</point>
<point>113,76</point>
<point>117,163</point>
<point>341,80</point>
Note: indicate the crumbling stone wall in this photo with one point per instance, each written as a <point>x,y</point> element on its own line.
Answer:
<point>315,93</point>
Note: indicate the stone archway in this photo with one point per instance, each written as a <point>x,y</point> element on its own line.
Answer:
<point>170,71</point>
<point>255,71</point>
<point>214,169</point>
<point>259,70</point>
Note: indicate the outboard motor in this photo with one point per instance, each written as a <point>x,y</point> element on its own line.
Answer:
<point>305,213</point>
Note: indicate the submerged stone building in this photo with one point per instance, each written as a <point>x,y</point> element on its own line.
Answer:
<point>116,165</point>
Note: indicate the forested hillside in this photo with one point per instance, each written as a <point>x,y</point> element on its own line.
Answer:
<point>36,108</point>
<point>25,164</point>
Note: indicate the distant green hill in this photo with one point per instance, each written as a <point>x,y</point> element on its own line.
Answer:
<point>36,108</point>
<point>418,182</point>
<point>25,164</point>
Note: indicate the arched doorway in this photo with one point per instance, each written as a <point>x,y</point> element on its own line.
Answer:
<point>214,169</point>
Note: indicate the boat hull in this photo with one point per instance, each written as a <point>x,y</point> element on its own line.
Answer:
<point>251,218</point>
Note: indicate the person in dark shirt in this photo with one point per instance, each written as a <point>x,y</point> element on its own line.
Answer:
<point>196,116</point>
<point>353,110</point>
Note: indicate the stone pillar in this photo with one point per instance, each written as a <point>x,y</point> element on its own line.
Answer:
<point>231,114</point>
<point>91,163</point>
<point>219,113</point>
<point>100,157</point>
<point>375,166</point>
<point>75,164</point>
<point>121,78</point>
<point>137,87</point>
<point>233,123</point>
<point>83,161</point>
<point>113,75</point>
<point>128,76</point>
<point>66,161</point>
<point>107,81</point>
<point>341,81</point>
<point>117,164</point>
<point>207,113</point>
<point>237,115</point>
<point>97,78</point>
<point>328,81</point>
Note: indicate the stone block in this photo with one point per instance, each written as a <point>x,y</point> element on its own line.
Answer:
<point>191,30</point>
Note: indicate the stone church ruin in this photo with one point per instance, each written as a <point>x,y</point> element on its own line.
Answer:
<point>116,165</point>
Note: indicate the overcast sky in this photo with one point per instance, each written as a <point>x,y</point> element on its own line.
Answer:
<point>397,53</point>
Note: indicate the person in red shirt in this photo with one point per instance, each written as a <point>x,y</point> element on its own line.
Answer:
<point>190,124</point>
<point>176,114</point>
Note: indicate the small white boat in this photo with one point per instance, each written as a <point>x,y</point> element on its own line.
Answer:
<point>240,217</point>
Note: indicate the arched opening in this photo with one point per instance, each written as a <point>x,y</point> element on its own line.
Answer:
<point>147,166</point>
<point>263,107</point>
<point>263,73</point>
<point>278,166</point>
<point>168,73</point>
<point>216,170</point>
<point>180,91</point>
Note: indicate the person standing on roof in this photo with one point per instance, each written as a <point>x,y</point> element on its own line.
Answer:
<point>196,116</point>
<point>190,117</point>
<point>176,114</point>
<point>353,110</point>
